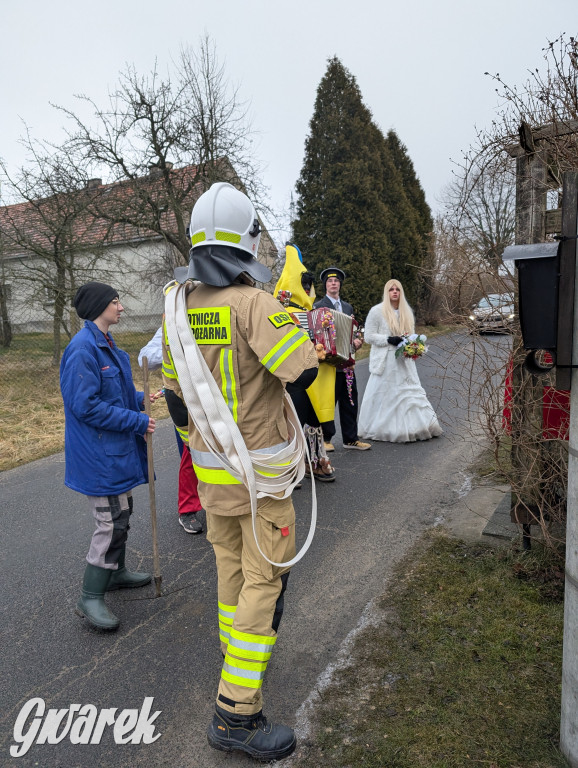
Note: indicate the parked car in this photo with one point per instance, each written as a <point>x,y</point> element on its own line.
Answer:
<point>494,312</point>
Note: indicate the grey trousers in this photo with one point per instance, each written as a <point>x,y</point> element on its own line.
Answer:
<point>111,515</point>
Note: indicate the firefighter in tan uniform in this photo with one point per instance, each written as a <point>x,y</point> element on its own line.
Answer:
<point>252,349</point>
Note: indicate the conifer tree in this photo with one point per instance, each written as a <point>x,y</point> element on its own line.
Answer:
<point>342,217</point>
<point>361,206</point>
<point>411,185</point>
<point>411,261</point>
<point>402,233</point>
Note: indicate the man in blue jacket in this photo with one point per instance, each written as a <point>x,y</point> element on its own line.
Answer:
<point>104,445</point>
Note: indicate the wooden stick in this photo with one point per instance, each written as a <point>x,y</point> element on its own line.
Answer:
<point>151,471</point>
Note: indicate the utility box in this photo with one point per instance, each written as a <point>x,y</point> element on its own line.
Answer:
<point>538,268</point>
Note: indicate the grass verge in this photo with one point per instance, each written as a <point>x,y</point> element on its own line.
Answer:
<point>462,668</point>
<point>31,411</point>
<point>495,463</point>
<point>429,330</point>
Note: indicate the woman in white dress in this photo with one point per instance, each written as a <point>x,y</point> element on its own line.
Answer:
<point>395,407</point>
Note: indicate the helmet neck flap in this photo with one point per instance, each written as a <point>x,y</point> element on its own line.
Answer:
<point>221,265</point>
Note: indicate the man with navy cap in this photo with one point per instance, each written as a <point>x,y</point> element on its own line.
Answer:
<point>332,279</point>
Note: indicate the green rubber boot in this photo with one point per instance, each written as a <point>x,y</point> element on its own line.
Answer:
<point>91,605</point>
<point>125,579</point>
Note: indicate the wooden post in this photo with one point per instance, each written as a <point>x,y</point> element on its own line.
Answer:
<point>531,192</point>
<point>569,702</point>
<point>151,473</point>
<point>567,275</point>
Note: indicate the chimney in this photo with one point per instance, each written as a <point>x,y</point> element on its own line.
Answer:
<point>155,171</point>
<point>93,184</point>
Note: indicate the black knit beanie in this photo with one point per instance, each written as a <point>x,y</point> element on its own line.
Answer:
<point>92,299</point>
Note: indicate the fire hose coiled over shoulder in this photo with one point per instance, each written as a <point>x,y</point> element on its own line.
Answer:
<point>263,474</point>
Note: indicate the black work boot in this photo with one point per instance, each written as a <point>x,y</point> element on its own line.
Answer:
<point>125,579</point>
<point>91,605</point>
<point>251,734</point>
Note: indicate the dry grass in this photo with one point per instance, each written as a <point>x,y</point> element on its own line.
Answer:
<point>31,410</point>
<point>437,330</point>
<point>462,669</point>
<point>429,330</point>
<point>31,414</point>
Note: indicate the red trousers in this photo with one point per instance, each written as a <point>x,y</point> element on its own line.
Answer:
<point>188,497</point>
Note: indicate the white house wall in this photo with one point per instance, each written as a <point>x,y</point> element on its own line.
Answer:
<point>128,268</point>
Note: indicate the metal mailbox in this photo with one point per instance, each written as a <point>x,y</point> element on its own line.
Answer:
<point>538,267</point>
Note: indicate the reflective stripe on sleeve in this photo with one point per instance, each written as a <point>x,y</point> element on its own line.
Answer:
<point>284,348</point>
<point>169,371</point>
<point>168,368</point>
<point>183,433</point>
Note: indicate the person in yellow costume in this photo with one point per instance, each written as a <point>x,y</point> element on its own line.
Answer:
<point>296,292</point>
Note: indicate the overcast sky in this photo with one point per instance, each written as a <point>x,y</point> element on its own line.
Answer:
<point>419,64</point>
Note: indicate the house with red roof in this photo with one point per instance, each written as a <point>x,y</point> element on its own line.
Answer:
<point>130,234</point>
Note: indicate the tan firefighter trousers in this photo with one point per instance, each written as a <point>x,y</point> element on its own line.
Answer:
<point>250,596</point>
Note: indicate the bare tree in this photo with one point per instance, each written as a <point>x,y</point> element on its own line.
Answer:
<point>47,239</point>
<point>166,139</point>
<point>548,98</point>
<point>5,325</point>
<point>470,237</point>
<point>480,206</point>
<point>537,124</point>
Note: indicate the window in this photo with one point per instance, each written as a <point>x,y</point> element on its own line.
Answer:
<point>49,294</point>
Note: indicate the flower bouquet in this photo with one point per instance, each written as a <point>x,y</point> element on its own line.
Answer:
<point>412,346</point>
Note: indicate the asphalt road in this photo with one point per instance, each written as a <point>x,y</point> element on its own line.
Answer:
<point>167,648</point>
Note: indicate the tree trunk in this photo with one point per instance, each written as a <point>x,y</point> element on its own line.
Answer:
<point>59,301</point>
<point>5,326</point>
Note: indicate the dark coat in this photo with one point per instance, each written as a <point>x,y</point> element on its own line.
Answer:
<point>346,308</point>
<point>103,445</point>
<point>326,302</point>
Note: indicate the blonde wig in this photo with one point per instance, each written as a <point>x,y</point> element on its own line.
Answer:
<point>405,323</point>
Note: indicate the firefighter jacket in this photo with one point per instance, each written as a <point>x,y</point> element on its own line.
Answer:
<point>252,348</point>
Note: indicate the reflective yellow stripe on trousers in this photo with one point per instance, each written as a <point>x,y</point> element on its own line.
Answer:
<point>226,618</point>
<point>255,651</point>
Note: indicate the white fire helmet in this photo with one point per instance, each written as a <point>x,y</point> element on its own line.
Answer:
<point>225,216</point>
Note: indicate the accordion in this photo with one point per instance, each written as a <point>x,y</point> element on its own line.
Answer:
<point>333,330</point>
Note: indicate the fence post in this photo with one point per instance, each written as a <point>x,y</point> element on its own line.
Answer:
<point>569,704</point>
<point>531,192</point>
